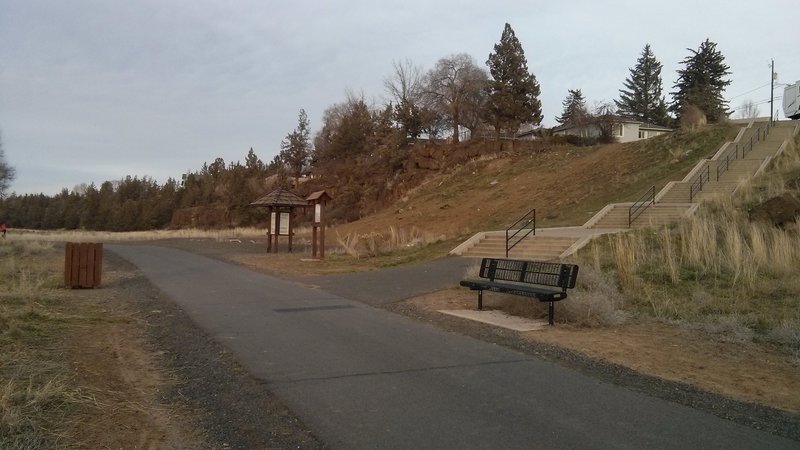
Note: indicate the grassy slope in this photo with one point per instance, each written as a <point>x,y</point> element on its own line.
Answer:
<point>566,185</point>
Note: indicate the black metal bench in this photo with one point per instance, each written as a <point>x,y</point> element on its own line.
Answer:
<point>546,281</point>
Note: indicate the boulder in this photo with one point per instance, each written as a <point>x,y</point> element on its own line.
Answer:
<point>780,211</point>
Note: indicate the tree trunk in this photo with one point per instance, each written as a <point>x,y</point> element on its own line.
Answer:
<point>455,125</point>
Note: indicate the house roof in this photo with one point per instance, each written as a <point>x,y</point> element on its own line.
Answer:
<point>642,125</point>
<point>280,197</point>
<point>650,126</point>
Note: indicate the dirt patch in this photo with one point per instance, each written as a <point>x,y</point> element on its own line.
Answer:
<point>744,371</point>
<point>234,409</point>
<point>107,351</point>
<point>125,380</point>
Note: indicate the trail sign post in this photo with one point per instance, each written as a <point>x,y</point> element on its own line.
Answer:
<point>318,200</point>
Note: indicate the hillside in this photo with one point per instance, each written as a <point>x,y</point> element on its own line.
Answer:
<point>565,184</point>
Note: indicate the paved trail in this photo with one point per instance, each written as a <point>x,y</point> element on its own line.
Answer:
<point>361,377</point>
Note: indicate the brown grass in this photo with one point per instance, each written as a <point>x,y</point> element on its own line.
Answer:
<point>373,243</point>
<point>35,393</point>
<point>739,279</point>
<point>110,236</point>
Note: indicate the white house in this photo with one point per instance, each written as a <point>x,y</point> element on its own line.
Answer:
<point>626,130</point>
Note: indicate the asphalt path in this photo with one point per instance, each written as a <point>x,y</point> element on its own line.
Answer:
<point>362,377</point>
<point>380,287</point>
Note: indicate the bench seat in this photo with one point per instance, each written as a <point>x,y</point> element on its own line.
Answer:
<point>545,281</point>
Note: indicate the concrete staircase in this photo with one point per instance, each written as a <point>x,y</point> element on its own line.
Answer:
<point>740,169</point>
<point>493,244</point>
<point>671,203</point>
<point>656,215</point>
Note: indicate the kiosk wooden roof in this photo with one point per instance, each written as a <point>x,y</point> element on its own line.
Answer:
<point>281,197</point>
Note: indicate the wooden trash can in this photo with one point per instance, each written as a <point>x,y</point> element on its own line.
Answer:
<point>83,264</point>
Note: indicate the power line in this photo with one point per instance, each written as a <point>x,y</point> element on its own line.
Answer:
<point>751,90</point>
<point>758,103</point>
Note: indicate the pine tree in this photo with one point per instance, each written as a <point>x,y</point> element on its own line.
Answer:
<point>701,83</point>
<point>6,173</point>
<point>296,147</point>
<point>641,99</point>
<point>513,91</point>
<point>575,112</point>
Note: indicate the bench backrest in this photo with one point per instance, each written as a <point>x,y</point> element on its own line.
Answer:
<point>532,272</point>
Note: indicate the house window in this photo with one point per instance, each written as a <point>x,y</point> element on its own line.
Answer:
<point>642,134</point>
<point>618,130</point>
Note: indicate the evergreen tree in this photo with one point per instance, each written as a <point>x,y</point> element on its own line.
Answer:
<point>641,99</point>
<point>513,91</point>
<point>575,112</point>
<point>296,147</point>
<point>253,164</point>
<point>701,82</point>
<point>6,173</point>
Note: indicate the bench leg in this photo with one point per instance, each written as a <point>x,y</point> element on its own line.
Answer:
<point>550,310</point>
<point>480,300</point>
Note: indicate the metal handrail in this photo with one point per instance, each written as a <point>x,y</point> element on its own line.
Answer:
<point>699,181</point>
<point>639,206</point>
<point>747,148</point>
<point>529,218</point>
<point>726,163</point>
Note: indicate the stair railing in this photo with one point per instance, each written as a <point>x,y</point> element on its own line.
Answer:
<point>747,147</point>
<point>699,181</point>
<point>525,225</point>
<point>725,164</point>
<point>761,135</point>
<point>639,206</point>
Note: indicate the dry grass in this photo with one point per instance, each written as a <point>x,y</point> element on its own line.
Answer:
<point>595,301</point>
<point>35,395</point>
<point>108,236</point>
<point>716,268</point>
<point>359,245</point>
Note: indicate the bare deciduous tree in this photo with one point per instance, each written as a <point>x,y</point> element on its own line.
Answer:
<point>405,82</point>
<point>605,118</point>
<point>748,110</point>
<point>405,89</point>
<point>457,87</point>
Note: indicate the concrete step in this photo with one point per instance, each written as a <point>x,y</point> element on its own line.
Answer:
<point>657,214</point>
<point>532,247</point>
<point>679,193</point>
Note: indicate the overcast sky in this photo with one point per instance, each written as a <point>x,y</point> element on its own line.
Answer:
<point>93,90</point>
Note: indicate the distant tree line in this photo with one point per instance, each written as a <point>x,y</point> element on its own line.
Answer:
<point>135,203</point>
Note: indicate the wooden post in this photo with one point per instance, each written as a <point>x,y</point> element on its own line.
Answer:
<point>291,231</point>
<point>318,200</point>
<point>314,241</point>
<point>269,229</point>
<point>322,241</point>
<point>277,228</point>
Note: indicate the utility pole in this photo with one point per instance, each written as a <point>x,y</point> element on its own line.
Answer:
<point>772,91</point>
